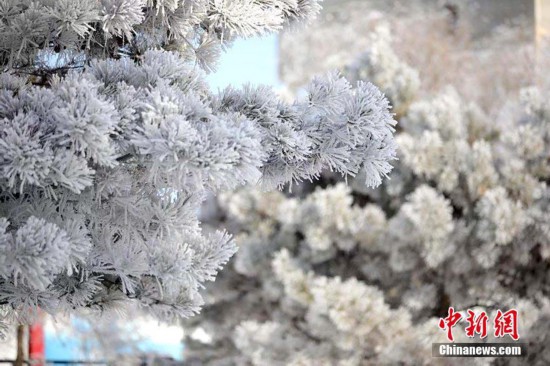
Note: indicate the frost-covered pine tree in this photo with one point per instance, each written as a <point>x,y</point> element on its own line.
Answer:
<point>346,275</point>
<point>110,139</point>
<point>425,34</point>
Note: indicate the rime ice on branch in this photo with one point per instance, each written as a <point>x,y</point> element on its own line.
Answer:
<point>109,139</point>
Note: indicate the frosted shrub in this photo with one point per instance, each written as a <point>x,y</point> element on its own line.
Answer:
<point>344,275</point>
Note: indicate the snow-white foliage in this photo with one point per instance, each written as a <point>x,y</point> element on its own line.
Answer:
<point>103,168</point>
<point>380,65</point>
<point>345,275</point>
<point>70,29</point>
<point>447,42</point>
<point>430,215</point>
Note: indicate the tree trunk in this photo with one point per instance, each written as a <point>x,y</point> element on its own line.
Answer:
<point>20,360</point>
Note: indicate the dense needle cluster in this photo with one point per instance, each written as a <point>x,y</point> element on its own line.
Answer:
<point>110,140</point>
<point>62,33</point>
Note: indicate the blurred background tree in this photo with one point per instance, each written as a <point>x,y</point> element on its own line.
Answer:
<point>335,274</point>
